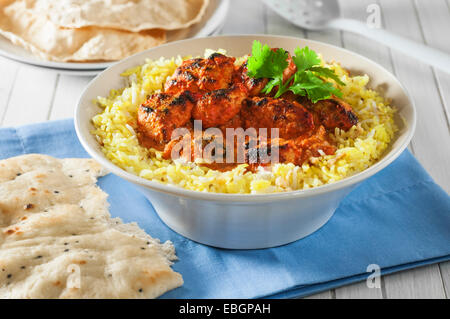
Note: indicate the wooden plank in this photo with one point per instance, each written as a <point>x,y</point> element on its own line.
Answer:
<point>7,80</point>
<point>358,290</point>
<point>67,94</point>
<point>445,274</point>
<point>31,97</point>
<point>418,283</point>
<point>434,19</point>
<point>245,17</point>
<point>419,80</point>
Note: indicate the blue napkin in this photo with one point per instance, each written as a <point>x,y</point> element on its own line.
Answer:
<point>398,219</point>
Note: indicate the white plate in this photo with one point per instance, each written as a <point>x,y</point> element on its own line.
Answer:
<point>214,17</point>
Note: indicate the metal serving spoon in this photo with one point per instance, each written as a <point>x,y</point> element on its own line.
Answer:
<point>324,14</point>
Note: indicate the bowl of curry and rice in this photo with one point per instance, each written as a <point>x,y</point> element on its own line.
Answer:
<point>245,142</point>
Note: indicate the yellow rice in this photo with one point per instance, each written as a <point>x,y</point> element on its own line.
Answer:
<point>358,148</point>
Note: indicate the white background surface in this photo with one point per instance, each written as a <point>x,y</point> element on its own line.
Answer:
<point>30,95</point>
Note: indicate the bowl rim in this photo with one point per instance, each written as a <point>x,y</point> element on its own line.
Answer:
<point>242,198</point>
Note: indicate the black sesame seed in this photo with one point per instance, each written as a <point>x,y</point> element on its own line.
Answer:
<point>8,276</point>
<point>23,267</point>
<point>66,250</point>
<point>37,257</point>
<point>140,290</point>
<point>148,243</point>
<point>56,192</point>
<point>143,248</point>
<point>77,242</point>
<point>70,175</point>
<point>92,218</point>
<point>65,244</point>
<point>18,174</point>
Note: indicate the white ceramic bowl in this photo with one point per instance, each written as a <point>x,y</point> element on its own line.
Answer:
<point>241,221</point>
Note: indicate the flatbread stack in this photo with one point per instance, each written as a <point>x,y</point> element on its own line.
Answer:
<point>94,30</point>
<point>58,240</point>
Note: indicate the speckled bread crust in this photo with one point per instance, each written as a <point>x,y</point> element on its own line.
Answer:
<point>58,240</point>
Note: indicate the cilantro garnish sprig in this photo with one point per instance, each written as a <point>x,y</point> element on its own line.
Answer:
<point>309,80</point>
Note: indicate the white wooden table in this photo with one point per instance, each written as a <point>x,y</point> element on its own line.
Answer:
<point>29,95</point>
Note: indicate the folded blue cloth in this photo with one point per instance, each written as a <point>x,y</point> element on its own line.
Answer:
<point>398,219</point>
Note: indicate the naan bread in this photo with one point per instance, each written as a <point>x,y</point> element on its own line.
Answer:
<point>57,239</point>
<point>135,15</point>
<point>46,40</point>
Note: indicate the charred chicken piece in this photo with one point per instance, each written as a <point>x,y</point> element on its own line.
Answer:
<point>161,114</point>
<point>202,75</point>
<point>332,113</point>
<point>234,123</point>
<point>217,107</point>
<point>296,151</point>
<point>290,117</point>
<point>302,148</point>
<point>254,86</point>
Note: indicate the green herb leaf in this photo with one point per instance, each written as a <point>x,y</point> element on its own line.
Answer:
<point>271,84</point>
<point>327,73</point>
<point>265,62</point>
<point>305,59</point>
<point>307,81</point>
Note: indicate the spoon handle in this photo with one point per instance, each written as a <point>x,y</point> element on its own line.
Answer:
<point>412,48</point>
